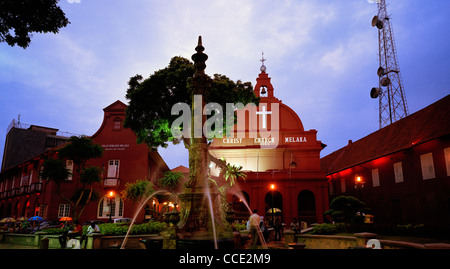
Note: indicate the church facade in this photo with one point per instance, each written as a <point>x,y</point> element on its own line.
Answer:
<point>281,160</point>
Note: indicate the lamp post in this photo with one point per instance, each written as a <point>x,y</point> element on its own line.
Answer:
<point>272,187</point>
<point>110,196</point>
<point>359,184</point>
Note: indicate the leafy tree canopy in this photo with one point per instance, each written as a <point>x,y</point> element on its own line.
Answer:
<point>170,180</point>
<point>90,175</point>
<point>151,99</point>
<point>54,170</point>
<point>80,149</point>
<point>23,17</point>
<point>137,190</point>
<point>343,203</point>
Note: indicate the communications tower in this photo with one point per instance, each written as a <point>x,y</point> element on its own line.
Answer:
<point>390,92</point>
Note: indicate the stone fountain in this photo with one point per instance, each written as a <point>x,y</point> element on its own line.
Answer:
<point>197,227</point>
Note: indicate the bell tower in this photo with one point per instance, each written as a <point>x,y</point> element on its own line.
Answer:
<point>263,87</point>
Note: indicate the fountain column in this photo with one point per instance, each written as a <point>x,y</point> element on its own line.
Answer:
<point>195,219</point>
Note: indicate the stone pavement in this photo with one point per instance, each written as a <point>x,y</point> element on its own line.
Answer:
<point>277,244</point>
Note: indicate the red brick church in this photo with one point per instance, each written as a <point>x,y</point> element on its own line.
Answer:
<point>281,160</point>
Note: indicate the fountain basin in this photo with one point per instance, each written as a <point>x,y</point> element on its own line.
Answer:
<point>199,243</point>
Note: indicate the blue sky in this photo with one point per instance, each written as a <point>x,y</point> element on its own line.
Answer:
<point>321,56</point>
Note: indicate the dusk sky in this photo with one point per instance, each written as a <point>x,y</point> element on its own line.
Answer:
<point>322,57</point>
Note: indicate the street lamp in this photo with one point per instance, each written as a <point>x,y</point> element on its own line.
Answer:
<point>110,196</point>
<point>272,187</point>
<point>359,184</point>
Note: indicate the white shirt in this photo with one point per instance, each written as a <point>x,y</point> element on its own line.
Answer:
<point>254,220</point>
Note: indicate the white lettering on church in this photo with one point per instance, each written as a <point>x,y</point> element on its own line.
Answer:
<point>115,146</point>
<point>264,141</point>
<point>232,140</point>
<point>213,126</point>
<point>295,139</point>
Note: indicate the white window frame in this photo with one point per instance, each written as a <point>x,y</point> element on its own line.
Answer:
<point>113,169</point>
<point>375,178</point>
<point>63,210</point>
<point>118,207</point>
<point>398,172</point>
<point>427,165</point>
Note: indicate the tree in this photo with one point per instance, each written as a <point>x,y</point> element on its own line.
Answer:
<point>348,205</point>
<point>230,175</point>
<point>151,100</point>
<point>170,180</point>
<point>55,170</point>
<point>79,150</point>
<point>25,17</point>
<point>149,115</point>
<point>137,190</point>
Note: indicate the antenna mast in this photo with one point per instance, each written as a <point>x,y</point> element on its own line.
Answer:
<point>392,99</point>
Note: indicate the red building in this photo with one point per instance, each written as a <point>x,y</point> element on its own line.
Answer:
<point>402,171</point>
<point>272,146</point>
<point>281,160</point>
<point>24,194</point>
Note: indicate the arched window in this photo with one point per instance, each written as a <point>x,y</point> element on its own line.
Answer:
<point>306,206</point>
<point>113,205</point>
<point>273,204</point>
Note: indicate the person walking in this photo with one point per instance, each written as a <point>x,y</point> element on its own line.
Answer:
<point>254,221</point>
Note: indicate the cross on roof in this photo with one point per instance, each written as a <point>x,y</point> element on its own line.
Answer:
<point>263,59</point>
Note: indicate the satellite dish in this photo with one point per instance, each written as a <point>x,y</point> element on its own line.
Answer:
<point>376,22</point>
<point>380,72</point>
<point>375,92</point>
<point>380,25</point>
<point>385,81</point>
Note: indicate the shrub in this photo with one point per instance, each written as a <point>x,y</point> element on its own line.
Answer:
<point>326,228</point>
<point>240,226</point>
<point>53,231</point>
<point>151,227</point>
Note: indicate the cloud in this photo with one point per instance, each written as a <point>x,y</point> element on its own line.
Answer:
<point>321,56</point>
<point>347,55</point>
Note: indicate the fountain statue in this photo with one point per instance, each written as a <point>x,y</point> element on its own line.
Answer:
<point>198,199</point>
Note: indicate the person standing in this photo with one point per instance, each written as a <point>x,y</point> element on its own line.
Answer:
<point>278,227</point>
<point>254,221</point>
<point>295,226</point>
